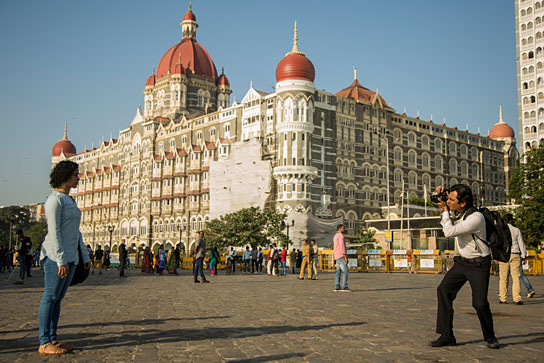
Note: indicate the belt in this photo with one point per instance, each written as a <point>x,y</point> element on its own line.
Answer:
<point>474,260</point>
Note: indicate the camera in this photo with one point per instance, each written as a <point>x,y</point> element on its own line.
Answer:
<point>441,197</point>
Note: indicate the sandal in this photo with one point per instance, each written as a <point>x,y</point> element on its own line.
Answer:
<point>51,349</point>
<point>62,345</point>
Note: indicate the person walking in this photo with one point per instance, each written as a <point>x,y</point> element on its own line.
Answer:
<point>122,258</point>
<point>306,254</point>
<point>254,258</point>
<point>473,265</point>
<point>212,264</point>
<point>260,260</point>
<point>246,256</point>
<point>514,266</point>
<point>147,261</point>
<point>107,259</point>
<point>59,254</point>
<point>198,254</point>
<point>341,260</point>
<point>98,256</point>
<point>91,257</point>
<point>315,259</point>
<point>24,246</point>
<point>232,256</point>
<point>283,261</point>
<point>177,259</point>
<point>293,261</point>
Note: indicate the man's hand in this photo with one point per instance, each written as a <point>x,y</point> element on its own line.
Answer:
<point>87,265</point>
<point>439,190</point>
<point>63,271</point>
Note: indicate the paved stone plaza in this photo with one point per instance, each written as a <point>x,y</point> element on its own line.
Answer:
<point>256,318</point>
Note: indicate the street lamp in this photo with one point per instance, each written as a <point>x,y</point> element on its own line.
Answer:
<point>286,225</point>
<point>110,229</point>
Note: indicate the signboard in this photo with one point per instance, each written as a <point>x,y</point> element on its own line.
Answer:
<point>351,252</point>
<point>401,262</point>
<point>388,236</point>
<point>426,263</point>
<point>374,252</point>
<point>352,262</point>
<point>376,263</point>
<point>426,252</point>
<point>399,252</point>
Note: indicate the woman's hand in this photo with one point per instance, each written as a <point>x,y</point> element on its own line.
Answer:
<point>63,271</point>
<point>87,265</point>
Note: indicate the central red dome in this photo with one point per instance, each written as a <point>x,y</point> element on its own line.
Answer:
<point>187,57</point>
<point>295,66</point>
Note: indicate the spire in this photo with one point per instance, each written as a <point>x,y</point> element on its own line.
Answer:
<point>251,84</point>
<point>354,73</point>
<point>153,71</point>
<point>65,137</point>
<point>295,49</point>
<point>500,115</point>
<point>190,6</point>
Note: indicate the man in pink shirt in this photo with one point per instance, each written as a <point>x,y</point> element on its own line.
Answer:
<point>341,260</point>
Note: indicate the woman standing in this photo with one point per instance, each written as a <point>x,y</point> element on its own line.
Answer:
<point>59,254</point>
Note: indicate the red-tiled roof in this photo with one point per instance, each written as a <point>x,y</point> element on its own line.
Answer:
<point>359,93</point>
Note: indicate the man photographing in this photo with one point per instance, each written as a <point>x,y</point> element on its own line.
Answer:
<point>460,219</point>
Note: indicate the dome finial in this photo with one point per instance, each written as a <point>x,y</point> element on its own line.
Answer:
<point>500,115</point>
<point>222,69</point>
<point>153,71</point>
<point>189,6</point>
<point>295,49</point>
<point>65,137</point>
<point>354,73</point>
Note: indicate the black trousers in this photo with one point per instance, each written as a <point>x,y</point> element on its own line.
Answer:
<point>477,274</point>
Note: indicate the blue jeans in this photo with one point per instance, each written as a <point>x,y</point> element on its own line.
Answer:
<point>198,268</point>
<point>22,267</point>
<point>341,268</point>
<point>523,279</point>
<point>246,265</point>
<point>283,267</point>
<point>53,293</point>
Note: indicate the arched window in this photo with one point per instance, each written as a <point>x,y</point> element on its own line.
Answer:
<point>438,145</point>
<point>438,163</point>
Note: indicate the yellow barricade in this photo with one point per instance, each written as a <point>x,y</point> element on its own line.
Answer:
<point>531,267</point>
<point>326,260</point>
<point>399,260</point>
<point>377,261</point>
<point>427,261</point>
<point>540,263</point>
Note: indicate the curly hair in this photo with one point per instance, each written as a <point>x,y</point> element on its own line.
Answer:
<point>62,172</point>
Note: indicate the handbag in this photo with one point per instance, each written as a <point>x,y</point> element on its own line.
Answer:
<point>81,272</point>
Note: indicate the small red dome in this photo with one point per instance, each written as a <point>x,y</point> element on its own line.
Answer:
<point>295,66</point>
<point>189,15</point>
<point>187,57</point>
<point>501,130</point>
<point>64,146</point>
<point>223,80</point>
<point>150,81</point>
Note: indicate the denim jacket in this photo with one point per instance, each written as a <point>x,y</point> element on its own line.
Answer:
<point>63,236</point>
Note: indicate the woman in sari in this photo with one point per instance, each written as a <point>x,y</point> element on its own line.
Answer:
<point>162,259</point>
<point>170,262</point>
<point>147,261</point>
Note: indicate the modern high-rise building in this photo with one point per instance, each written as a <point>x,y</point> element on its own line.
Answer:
<point>193,154</point>
<point>530,66</point>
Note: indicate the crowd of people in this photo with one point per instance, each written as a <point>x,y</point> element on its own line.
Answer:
<point>62,249</point>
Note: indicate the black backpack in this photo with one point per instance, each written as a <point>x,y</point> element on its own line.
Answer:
<point>499,238</point>
<point>275,255</point>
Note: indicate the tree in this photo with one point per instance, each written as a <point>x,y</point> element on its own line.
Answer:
<point>36,232</point>
<point>365,236</point>
<point>19,217</point>
<point>249,226</point>
<point>527,188</point>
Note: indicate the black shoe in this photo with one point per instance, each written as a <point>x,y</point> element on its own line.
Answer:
<point>197,282</point>
<point>493,343</point>
<point>502,302</point>
<point>206,281</point>
<point>443,341</point>
<point>518,303</point>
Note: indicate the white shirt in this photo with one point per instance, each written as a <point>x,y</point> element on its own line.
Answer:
<point>463,230</point>
<point>518,246</point>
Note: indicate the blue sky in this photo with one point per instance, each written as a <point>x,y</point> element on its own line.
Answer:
<point>87,62</point>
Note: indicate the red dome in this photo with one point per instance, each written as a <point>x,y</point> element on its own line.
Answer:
<point>150,81</point>
<point>64,146</point>
<point>295,66</point>
<point>193,58</point>
<point>189,15</point>
<point>501,130</point>
<point>223,80</point>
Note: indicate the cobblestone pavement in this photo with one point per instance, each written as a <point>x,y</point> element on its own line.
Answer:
<point>256,318</point>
